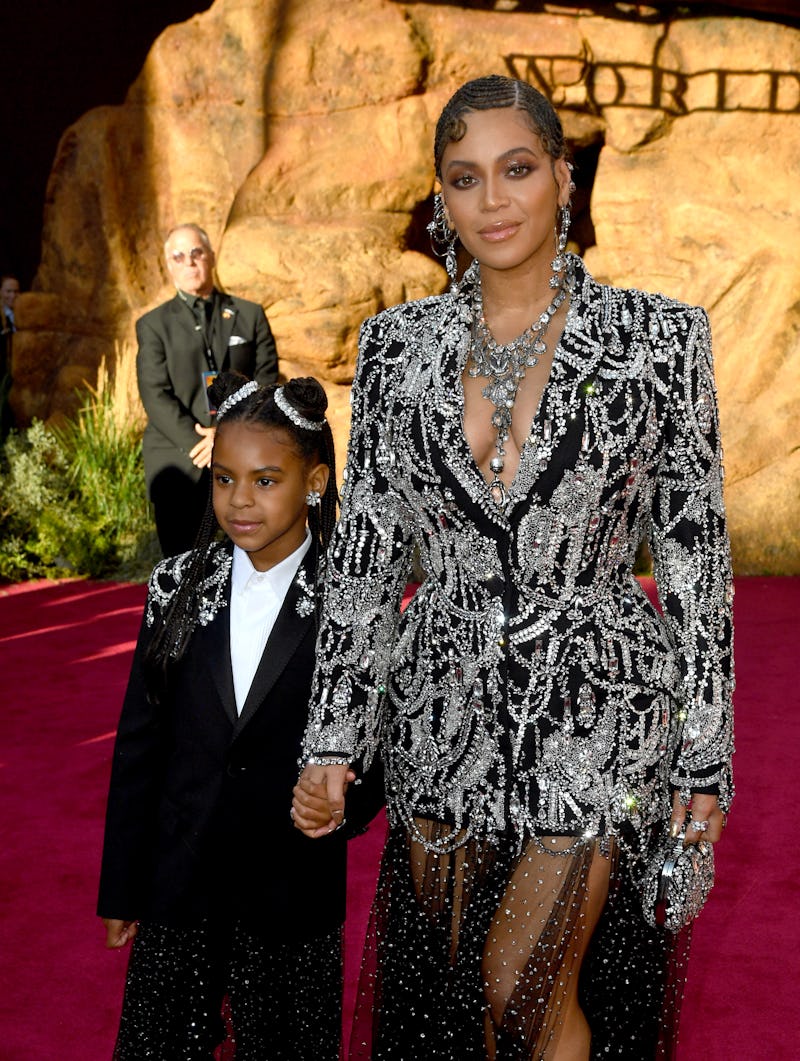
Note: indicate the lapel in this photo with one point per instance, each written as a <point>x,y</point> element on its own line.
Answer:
<point>296,615</point>
<point>563,407</point>
<point>451,346</point>
<point>186,318</point>
<point>214,643</point>
<point>226,309</point>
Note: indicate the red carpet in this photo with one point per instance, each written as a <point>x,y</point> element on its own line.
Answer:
<point>65,650</point>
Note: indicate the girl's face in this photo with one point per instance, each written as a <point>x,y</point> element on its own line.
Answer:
<point>502,190</point>
<point>260,482</point>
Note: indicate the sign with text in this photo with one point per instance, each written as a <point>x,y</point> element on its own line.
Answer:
<point>581,83</point>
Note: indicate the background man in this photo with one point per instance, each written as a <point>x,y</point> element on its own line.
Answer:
<point>9,289</point>
<point>198,332</point>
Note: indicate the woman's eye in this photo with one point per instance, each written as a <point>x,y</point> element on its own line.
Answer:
<point>466,180</point>
<point>518,169</point>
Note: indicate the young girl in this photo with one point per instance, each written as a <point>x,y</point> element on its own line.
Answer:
<point>202,867</point>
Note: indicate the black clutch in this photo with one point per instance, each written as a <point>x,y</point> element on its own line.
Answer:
<point>677,881</point>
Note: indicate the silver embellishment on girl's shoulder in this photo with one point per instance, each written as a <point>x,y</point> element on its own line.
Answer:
<point>213,592</point>
<point>168,575</point>
<point>306,602</point>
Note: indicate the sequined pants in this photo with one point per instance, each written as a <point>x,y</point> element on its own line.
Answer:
<point>219,992</point>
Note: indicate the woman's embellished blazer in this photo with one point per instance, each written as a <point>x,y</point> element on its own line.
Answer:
<point>530,687</point>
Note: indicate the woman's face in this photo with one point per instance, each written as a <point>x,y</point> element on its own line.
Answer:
<point>502,190</point>
<point>260,482</point>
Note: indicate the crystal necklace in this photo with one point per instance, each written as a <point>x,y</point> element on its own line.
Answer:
<point>504,366</point>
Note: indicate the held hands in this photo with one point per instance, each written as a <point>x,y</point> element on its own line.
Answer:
<point>707,816</point>
<point>118,933</point>
<point>201,454</point>
<point>318,804</point>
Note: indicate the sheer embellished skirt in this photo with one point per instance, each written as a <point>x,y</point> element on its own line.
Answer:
<point>217,991</point>
<point>490,952</point>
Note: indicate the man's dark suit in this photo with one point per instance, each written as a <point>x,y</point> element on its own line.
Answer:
<point>198,811</point>
<point>170,366</point>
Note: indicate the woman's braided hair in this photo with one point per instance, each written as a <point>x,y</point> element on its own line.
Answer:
<point>487,93</point>
<point>307,398</point>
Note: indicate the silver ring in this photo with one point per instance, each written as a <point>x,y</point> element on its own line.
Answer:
<point>699,827</point>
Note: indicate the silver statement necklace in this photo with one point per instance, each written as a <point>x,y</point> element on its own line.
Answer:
<point>504,366</point>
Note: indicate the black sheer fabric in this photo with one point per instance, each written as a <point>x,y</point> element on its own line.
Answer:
<point>492,952</point>
<point>222,993</point>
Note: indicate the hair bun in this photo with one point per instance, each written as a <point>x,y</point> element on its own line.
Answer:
<point>307,396</point>
<point>223,386</point>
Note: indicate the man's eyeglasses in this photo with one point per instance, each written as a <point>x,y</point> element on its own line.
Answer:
<point>194,255</point>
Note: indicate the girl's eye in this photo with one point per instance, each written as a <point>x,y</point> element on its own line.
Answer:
<point>223,480</point>
<point>264,481</point>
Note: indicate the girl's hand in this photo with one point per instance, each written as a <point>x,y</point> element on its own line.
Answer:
<point>705,809</point>
<point>318,803</point>
<point>118,933</point>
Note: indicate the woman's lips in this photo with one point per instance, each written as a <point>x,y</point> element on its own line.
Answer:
<point>498,232</point>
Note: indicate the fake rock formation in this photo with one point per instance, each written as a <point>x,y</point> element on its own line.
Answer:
<point>299,134</point>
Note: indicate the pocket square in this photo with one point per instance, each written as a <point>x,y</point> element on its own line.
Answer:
<point>236,340</point>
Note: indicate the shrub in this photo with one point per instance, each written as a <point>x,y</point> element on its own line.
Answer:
<point>72,498</point>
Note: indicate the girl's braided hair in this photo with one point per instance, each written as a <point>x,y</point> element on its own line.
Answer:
<point>486,93</point>
<point>307,398</point>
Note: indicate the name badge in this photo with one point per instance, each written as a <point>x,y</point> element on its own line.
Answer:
<point>207,378</point>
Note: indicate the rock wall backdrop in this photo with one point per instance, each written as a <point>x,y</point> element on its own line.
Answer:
<point>298,133</point>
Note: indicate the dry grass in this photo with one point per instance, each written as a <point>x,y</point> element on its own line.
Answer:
<point>121,388</point>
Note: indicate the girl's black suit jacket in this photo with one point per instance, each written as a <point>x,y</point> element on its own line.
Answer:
<point>198,823</point>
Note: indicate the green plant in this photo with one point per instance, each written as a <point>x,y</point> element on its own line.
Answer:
<point>32,479</point>
<point>105,465</point>
<point>72,498</point>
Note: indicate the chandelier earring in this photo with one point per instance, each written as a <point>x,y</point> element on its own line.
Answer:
<point>561,233</point>
<point>443,239</point>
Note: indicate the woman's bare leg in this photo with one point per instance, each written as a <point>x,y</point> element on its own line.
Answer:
<point>535,946</point>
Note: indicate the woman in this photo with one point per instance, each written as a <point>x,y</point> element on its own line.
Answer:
<point>538,720</point>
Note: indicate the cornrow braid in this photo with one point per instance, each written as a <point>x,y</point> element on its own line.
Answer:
<point>487,93</point>
<point>307,398</point>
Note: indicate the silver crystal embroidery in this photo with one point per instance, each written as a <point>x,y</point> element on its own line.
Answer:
<point>530,685</point>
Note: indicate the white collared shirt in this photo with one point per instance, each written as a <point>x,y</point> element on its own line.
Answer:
<point>256,599</point>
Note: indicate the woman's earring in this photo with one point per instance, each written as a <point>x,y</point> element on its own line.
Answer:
<point>443,239</point>
<point>313,498</point>
<point>561,233</point>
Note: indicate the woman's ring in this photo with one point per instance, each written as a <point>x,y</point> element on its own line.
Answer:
<point>699,827</point>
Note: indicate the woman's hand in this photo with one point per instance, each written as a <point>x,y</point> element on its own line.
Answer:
<point>706,814</point>
<point>318,804</point>
<point>118,933</point>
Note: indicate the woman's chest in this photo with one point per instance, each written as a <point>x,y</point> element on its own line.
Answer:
<point>599,423</point>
